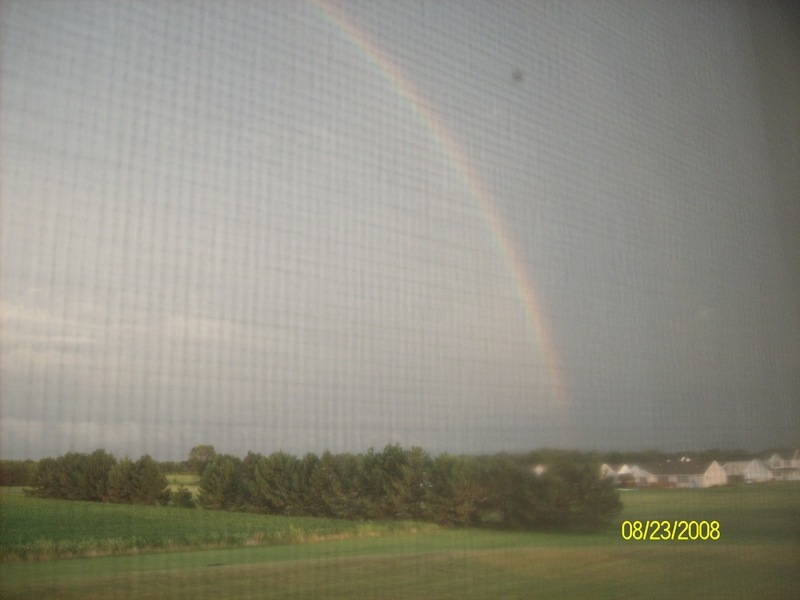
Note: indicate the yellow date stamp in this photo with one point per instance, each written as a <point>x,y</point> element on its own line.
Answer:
<point>662,531</point>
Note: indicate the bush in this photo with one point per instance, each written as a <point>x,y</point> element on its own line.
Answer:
<point>165,498</point>
<point>182,498</point>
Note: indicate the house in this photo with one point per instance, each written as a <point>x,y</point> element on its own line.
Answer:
<point>785,469</point>
<point>747,471</point>
<point>687,473</point>
<point>627,475</point>
<point>621,474</point>
<point>642,477</point>
<point>607,470</point>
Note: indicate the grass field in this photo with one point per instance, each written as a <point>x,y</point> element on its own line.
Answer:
<point>182,479</point>
<point>38,529</point>
<point>189,482</point>
<point>758,555</point>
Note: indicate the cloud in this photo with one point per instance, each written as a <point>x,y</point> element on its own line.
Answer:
<point>203,329</point>
<point>35,438</point>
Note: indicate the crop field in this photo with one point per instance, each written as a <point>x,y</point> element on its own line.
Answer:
<point>39,529</point>
<point>757,555</point>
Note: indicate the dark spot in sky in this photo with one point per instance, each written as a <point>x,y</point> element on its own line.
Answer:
<point>517,75</point>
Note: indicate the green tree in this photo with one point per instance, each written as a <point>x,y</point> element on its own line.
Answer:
<point>165,497</point>
<point>456,493</point>
<point>501,480</point>
<point>121,482</point>
<point>72,476</point>
<point>182,498</point>
<point>366,487</point>
<point>352,501</point>
<point>200,457</point>
<point>327,497</point>
<point>140,482</point>
<point>395,481</point>
<point>221,485</point>
<point>276,487</point>
<point>410,477</point>
<point>45,484</point>
<point>18,472</point>
<point>306,494</point>
<point>98,467</point>
<point>578,497</point>
<point>149,481</point>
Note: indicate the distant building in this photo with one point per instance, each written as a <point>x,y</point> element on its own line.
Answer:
<point>627,475</point>
<point>687,473</point>
<point>607,470</point>
<point>783,468</point>
<point>642,477</point>
<point>747,471</point>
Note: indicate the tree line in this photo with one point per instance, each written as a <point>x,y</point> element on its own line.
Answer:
<point>100,477</point>
<point>500,491</point>
<point>396,483</point>
<point>17,472</point>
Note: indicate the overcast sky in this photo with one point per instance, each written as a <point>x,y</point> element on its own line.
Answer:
<point>469,226</point>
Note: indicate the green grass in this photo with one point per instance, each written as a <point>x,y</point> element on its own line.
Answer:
<point>179,480</point>
<point>38,529</point>
<point>747,513</point>
<point>182,479</point>
<point>758,555</point>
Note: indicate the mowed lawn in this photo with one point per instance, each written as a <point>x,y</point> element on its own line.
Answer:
<point>757,556</point>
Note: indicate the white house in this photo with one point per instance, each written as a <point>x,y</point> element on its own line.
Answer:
<point>686,473</point>
<point>748,471</point>
<point>607,470</point>
<point>785,469</point>
<point>642,477</point>
<point>627,475</point>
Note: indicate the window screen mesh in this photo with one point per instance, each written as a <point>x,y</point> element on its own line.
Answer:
<point>469,227</point>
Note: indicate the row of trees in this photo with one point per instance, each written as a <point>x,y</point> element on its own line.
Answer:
<point>498,491</point>
<point>410,484</point>
<point>17,472</point>
<point>99,477</point>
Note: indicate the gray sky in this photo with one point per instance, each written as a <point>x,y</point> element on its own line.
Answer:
<point>232,223</point>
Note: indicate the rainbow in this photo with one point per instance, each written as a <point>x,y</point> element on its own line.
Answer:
<point>406,89</point>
